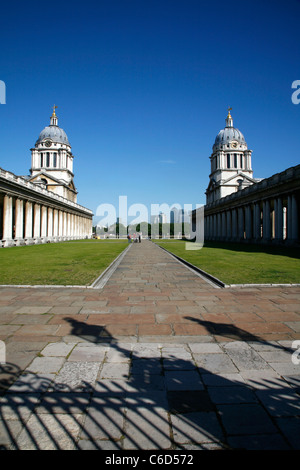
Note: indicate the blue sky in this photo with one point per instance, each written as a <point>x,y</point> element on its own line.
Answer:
<point>143,87</point>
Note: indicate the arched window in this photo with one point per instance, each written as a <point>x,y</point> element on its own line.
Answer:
<point>47,159</point>
<point>54,159</point>
<point>228,160</point>
<point>235,160</point>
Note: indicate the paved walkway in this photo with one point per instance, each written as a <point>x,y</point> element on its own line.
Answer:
<point>157,359</point>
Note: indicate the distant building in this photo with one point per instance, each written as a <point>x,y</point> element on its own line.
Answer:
<point>177,215</point>
<point>160,218</point>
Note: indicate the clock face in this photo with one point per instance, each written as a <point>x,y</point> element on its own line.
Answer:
<point>48,143</point>
<point>234,145</point>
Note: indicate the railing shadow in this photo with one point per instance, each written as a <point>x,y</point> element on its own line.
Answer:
<point>231,331</point>
<point>118,396</point>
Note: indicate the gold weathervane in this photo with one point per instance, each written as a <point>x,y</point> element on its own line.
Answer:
<point>54,108</point>
<point>229,109</point>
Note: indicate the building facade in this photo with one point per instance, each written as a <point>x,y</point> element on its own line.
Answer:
<point>231,166</point>
<point>42,207</point>
<point>241,208</point>
<point>265,212</point>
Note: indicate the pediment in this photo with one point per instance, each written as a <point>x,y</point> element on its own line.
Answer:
<point>43,175</point>
<point>233,180</point>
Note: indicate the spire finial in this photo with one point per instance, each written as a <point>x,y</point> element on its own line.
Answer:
<point>53,119</point>
<point>229,120</point>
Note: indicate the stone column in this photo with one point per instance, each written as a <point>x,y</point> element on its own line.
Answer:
<point>37,223</point>
<point>68,225</point>
<point>278,207</point>
<point>208,227</point>
<point>72,226</point>
<point>85,221</point>
<point>266,221</point>
<point>44,223</point>
<point>223,227</point>
<point>257,221</point>
<point>8,221</point>
<point>292,218</point>
<point>228,224</point>
<point>60,225</point>
<point>279,219</point>
<point>295,229</point>
<point>218,226</point>
<point>284,222</point>
<point>55,224</point>
<point>234,224</point>
<point>241,223</point>
<point>211,227</point>
<point>64,225</point>
<point>77,226</point>
<point>50,223</point>
<point>28,223</point>
<point>19,222</point>
<point>214,227</point>
<point>249,225</point>
<point>89,227</point>
<point>85,224</point>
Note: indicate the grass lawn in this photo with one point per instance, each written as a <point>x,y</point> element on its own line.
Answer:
<point>242,264</point>
<point>77,262</point>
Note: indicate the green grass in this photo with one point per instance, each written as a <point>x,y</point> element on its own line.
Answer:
<point>242,264</point>
<point>77,262</point>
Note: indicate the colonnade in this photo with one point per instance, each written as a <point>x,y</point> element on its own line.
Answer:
<point>270,220</point>
<point>27,222</point>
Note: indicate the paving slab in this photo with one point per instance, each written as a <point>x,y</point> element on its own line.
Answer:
<point>197,427</point>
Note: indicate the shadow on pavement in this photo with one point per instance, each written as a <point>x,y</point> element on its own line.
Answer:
<point>232,332</point>
<point>112,395</point>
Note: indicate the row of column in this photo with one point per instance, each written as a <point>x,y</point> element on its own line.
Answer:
<point>275,219</point>
<point>26,222</point>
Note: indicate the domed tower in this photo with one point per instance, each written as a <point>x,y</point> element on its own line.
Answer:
<point>231,168</point>
<point>52,161</point>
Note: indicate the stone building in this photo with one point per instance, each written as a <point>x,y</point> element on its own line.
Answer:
<point>42,207</point>
<point>241,208</point>
<point>231,167</point>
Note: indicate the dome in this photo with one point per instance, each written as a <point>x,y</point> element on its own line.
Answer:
<point>54,133</point>
<point>230,134</point>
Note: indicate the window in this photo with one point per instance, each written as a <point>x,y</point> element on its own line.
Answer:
<point>47,159</point>
<point>235,160</point>
<point>54,159</point>
<point>41,159</point>
<point>241,160</point>
<point>228,160</point>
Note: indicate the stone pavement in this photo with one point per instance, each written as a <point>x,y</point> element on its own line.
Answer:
<point>157,359</point>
